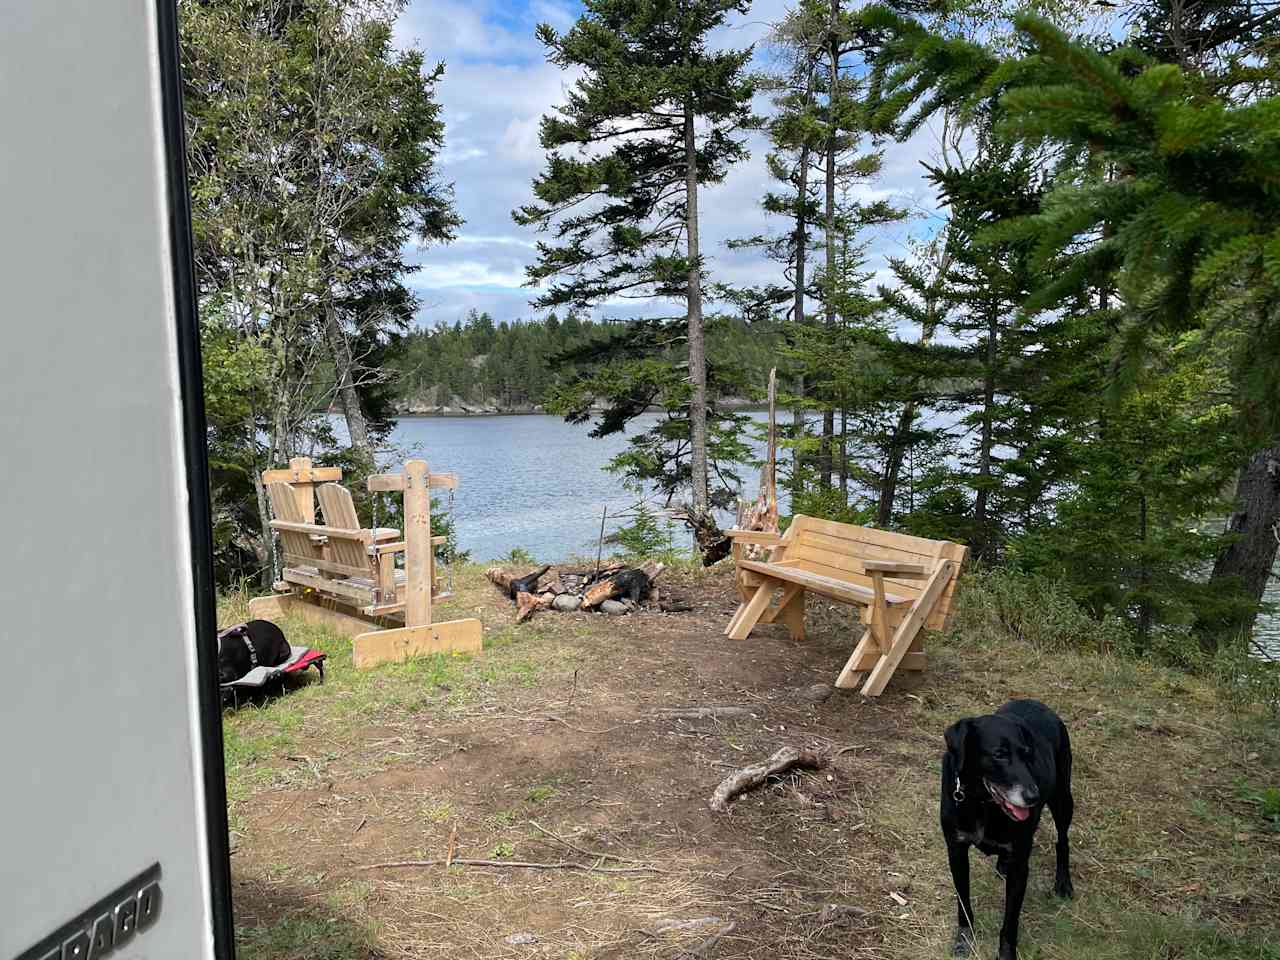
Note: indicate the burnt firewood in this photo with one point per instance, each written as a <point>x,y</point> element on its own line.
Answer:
<point>528,582</point>
<point>634,584</point>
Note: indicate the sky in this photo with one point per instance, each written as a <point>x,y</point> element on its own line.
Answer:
<point>496,87</point>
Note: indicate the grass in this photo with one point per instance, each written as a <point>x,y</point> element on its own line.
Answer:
<point>310,937</point>
<point>1176,846</point>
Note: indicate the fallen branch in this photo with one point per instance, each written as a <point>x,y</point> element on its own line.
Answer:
<point>748,778</point>
<point>594,854</point>
<point>512,864</point>
<point>704,948</point>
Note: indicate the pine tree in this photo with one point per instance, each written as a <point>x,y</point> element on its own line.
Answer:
<point>919,299</point>
<point>795,136</point>
<point>1159,210</point>
<point>655,116</point>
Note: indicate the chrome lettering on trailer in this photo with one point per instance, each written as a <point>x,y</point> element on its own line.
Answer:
<point>108,925</point>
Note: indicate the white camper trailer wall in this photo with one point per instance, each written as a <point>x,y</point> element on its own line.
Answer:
<point>112,819</point>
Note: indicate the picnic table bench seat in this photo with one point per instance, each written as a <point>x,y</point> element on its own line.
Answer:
<point>900,583</point>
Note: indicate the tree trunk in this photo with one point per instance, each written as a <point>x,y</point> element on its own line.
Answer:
<point>697,346</point>
<point>844,455</point>
<point>833,94</point>
<point>340,351</point>
<point>798,431</point>
<point>280,446</point>
<point>893,468</point>
<point>983,546</point>
<point>268,577</point>
<point>797,309</point>
<point>1145,611</point>
<point>1246,564</point>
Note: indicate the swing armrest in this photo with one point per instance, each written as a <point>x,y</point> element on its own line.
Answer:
<point>383,534</point>
<point>400,546</point>
<point>896,568</point>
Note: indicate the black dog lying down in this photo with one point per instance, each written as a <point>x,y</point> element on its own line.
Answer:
<point>258,643</point>
<point>999,773</point>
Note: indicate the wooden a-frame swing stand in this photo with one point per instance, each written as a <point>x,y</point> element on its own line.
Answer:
<point>342,576</point>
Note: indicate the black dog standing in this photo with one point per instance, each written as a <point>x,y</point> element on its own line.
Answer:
<point>998,774</point>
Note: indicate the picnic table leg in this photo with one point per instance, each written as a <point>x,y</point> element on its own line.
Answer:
<point>909,629</point>
<point>750,612</point>
<point>791,612</point>
<point>869,649</point>
<point>865,655</point>
<point>746,585</point>
<point>774,610</point>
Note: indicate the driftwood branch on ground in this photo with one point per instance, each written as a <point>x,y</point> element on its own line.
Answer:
<point>751,777</point>
<point>502,579</point>
<point>704,949</point>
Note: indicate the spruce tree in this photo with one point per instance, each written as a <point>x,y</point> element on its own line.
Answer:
<point>1160,211</point>
<point>655,115</point>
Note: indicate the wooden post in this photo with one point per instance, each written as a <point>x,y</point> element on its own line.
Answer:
<point>304,490</point>
<point>877,626</point>
<point>419,553</point>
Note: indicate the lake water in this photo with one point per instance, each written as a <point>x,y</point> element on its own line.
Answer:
<point>539,484</point>
<point>533,482</point>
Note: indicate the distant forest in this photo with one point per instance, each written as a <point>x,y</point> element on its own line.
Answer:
<point>521,364</point>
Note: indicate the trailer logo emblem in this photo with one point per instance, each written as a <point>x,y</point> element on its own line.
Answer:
<point>108,925</point>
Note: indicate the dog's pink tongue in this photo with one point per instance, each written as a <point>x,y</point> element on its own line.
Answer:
<point>1017,812</point>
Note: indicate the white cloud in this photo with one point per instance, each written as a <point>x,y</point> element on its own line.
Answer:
<point>496,88</point>
<point>458,153</point>
<point>473,240</point>
<point>466,273</point>
<point>446,29</point>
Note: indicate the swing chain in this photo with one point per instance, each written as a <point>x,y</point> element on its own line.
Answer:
<point>449,563</point>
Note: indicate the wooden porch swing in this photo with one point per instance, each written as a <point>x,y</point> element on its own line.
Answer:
<point>342,576</point>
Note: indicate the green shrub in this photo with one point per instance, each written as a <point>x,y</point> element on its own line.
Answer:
<point>1005,603</point>
<point>1246,681</point>
<point>1266,799</point>
<point>828,503</point>
<point>646,536</point>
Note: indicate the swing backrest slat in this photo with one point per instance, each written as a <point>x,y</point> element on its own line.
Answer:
<point>299,549</point>
<point>339,512</point>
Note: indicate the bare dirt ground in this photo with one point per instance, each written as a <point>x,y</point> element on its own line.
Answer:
<point>546,749</point>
